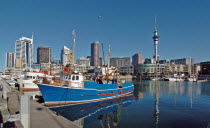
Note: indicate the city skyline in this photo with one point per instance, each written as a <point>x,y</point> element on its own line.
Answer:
<point>183,27</point>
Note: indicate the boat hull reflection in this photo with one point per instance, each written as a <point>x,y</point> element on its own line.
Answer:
<point>90,112</point>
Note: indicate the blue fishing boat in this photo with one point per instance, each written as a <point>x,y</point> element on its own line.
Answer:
<point>74,90</point>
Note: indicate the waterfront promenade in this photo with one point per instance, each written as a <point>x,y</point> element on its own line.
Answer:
<point>39,115</point>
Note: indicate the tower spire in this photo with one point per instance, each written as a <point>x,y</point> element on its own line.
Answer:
<point>155,25</point>
<point>155,38</point>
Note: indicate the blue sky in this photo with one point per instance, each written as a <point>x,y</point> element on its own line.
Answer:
<point>127,25</point>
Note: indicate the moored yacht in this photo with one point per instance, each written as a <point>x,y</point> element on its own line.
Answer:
<point>176,78</point>
<point>192,79</point>
<point>30,78</point>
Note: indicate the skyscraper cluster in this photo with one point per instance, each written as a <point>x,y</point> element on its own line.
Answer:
<point>22,58</point>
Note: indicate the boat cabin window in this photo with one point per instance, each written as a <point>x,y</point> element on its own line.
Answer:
<point>69,77</point>
<point>73,77</point>
<point>77,77</point>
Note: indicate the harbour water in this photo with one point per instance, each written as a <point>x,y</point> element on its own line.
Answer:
<point>160,104</point>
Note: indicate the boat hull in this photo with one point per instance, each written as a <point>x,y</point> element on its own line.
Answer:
<point>176,79</point>
<point>192,79</point>
<point>92,92</point>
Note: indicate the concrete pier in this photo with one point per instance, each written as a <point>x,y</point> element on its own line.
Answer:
<point>15,115</point>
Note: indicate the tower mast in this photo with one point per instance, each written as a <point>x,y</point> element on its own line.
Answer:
<point>155,38</point>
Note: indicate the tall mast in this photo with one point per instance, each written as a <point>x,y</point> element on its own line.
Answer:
<point>108,57</point>
<point>20,61</point>
<point>74,41</point>
<point>30,52</point>
<point>73,48</point>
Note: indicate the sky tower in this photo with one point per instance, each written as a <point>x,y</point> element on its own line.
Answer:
<point>155,37</point>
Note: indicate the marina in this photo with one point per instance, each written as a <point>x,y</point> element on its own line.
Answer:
<point>151,104</point>
<point>104,64</point>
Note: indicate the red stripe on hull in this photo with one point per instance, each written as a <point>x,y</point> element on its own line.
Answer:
<point>108,102</point>
<point>109,93</point>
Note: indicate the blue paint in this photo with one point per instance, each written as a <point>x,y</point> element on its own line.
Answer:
<point>52,93</point>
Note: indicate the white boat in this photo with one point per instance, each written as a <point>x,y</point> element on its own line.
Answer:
<point>155,79</point>
<point>204,80</point>
<point>192,79</point>
<point>176,79</point>
<point>31,77</point>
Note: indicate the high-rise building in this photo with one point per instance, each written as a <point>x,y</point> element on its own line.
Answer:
<point>55,62</point>
<point>137,59</point>
<point>95,48</point>
<point>164,61</point>
<point>43,55</point>
<point>184,61</point>
<point>120,61</point>
<point>149,61</point>
<point>10,59</point>
<point>100,61</point>
<point>83,61</point>
<point>155,38</point>
<point>64,52</point>
<point>24,52</point>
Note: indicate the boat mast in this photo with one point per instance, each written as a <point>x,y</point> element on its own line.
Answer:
<point>70,56</point>
<point>73,48</point>
<point>32,41</point>
<point>20,61</point>
<point>103,56</point>
<point>108,58</point>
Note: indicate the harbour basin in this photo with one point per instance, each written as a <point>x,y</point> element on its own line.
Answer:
<point>160,104</point>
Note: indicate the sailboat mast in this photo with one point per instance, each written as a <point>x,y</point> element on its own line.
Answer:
<point>71,56</point>
<point>32,40</point>
<point>108,57</point>
<point>74,45</point>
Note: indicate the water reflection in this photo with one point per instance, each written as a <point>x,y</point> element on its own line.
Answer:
<point>168,89</point>
<point>156,112</point>
<point>152,104</point>
<point>105,113</point>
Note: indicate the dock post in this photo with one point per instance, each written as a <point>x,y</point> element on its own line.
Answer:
<point>25,110</point>
<point>4,90</point>
<point>21,85</point>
